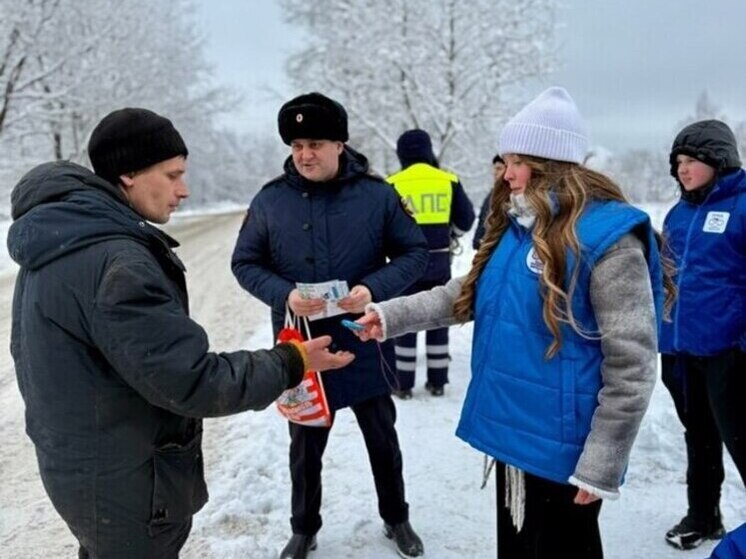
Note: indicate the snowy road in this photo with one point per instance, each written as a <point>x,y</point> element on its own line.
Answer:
<point>247,515</point>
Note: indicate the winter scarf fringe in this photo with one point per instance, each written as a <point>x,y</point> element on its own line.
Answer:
<point>515,490</point>
<point>515,495</point>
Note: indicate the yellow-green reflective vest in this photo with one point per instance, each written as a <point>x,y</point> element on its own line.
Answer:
<point>428,190</point>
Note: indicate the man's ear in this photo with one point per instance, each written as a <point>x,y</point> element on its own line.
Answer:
<point>340,148</point>
<point>126,180</point>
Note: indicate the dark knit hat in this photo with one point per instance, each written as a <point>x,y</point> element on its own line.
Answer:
<point>710,141</point>
<point>415,146</point>
<point>312,116</point>
<point>129,140</point>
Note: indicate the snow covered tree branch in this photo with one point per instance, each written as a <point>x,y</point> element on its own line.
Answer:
<point>64,64</point>
<point>443,65</point>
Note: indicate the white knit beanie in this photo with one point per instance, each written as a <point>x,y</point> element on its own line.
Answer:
<point>550,126</point>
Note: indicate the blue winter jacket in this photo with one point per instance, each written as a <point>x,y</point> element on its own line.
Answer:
<point>707,242</point>
<point>733,545</point>
<point>345,229</point>
<point>520,408</point>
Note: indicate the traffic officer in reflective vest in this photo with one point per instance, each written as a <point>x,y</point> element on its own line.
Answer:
<point>443,211</point>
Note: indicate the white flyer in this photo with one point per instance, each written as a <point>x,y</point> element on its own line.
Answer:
<point>331,291</point>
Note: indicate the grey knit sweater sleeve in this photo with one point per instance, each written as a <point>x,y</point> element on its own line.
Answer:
<point>622,299</point>
<point>422,311</point>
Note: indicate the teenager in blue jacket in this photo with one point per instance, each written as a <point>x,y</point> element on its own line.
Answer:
<point>703,360</point>
<point>565,292</point>
<point>327,218</point>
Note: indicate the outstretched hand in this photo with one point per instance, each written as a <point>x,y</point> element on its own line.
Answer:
<point>373,328</point>
<point>321,359</point>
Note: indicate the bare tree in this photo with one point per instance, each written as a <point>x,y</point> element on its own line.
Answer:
<point>740,132</point>
<point>65,63</point>
<point>22,28</point>
<point>446,66</point>
<point>704,109</point>
<point>644,175</point>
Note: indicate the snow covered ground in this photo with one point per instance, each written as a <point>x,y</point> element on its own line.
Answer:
<point>247,455</point>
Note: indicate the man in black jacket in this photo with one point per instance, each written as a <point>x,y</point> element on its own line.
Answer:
<point>113,372</point>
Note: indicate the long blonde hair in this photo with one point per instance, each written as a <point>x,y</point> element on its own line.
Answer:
<point>571,186</point>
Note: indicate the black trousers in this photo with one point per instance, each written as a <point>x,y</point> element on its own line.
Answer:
<point>376,418</point>
<point>553,525</point>
<point>133,543</point>
<point>708,395</point>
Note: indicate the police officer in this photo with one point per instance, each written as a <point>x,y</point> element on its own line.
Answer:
<point>444,213</point>
<point>327,218</point>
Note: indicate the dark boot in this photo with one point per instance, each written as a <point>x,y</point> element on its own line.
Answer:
<point>691,533</point>
<point>403,394</point>
<point>435,390</point>
<point>298,547</point>
<point>408,543</point>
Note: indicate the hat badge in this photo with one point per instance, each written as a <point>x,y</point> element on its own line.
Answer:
<point>299,117</point>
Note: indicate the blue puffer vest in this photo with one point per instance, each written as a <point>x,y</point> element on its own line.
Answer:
<point>520,408</point>
<point>707,242</point>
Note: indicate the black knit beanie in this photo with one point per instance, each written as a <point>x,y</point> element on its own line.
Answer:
<point>130,140</point>
<point>415,146</point>
<point>312,116</point>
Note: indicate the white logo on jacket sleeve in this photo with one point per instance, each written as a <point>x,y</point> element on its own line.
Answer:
<point>533,262</point>
<point>715,222</point>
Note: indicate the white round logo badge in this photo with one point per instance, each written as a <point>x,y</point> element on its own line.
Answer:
<point>533,262</point>
<point>299,117</point>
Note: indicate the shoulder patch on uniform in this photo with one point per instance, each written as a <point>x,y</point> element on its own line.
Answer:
<point>407,206</point>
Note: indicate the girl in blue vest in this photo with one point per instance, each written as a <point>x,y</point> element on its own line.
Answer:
<point>565,291</point>
<point>703,359</point>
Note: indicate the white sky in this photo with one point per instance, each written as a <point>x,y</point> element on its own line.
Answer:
<point>635,68</point>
